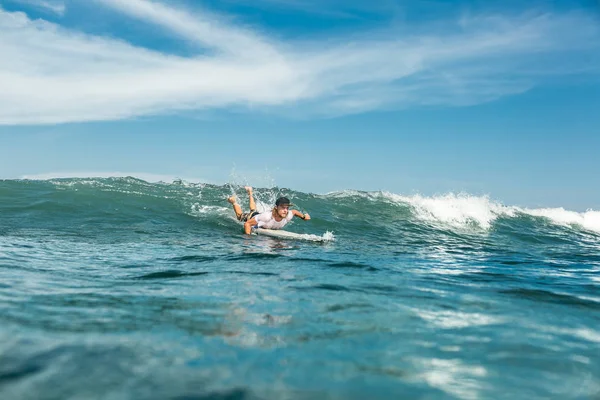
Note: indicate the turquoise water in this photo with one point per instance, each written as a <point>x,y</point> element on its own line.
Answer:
<point>122,289</point>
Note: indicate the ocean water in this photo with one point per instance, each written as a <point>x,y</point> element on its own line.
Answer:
<point>122,289</point>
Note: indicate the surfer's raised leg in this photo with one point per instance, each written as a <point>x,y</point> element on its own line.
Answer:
<point>236,207</point>
<point>252,203</point>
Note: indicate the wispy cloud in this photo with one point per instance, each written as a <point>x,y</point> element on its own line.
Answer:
<point>53,6</point>
<point>49,74</point>
<point>201,26</point>
<point>327,8</point>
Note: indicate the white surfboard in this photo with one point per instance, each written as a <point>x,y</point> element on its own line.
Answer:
<point>281,234</point>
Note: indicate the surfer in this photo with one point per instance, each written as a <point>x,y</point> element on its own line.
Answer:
<point>277,218</point>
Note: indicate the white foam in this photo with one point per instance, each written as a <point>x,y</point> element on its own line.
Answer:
<point>460,210</point>
<point>589,220</point>
<point>464,210</point>
<point>328,236</point>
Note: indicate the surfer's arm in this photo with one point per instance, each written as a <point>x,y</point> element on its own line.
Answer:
<point>298,214</point>
<point>249,224</point>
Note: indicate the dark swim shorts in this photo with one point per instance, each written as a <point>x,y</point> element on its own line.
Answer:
<point>249,215</point>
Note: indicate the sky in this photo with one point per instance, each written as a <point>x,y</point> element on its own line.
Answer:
<point>494,98</point>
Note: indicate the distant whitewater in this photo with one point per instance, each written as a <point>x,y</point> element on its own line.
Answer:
<point>116,287</point>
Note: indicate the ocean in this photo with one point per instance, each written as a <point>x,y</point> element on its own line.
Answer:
<point>117,288</point>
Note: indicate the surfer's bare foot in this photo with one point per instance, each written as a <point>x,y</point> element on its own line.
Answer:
<point>231,199</point>
<point>248,189</point>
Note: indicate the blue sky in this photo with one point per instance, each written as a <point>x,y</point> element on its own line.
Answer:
<point>495,98</point>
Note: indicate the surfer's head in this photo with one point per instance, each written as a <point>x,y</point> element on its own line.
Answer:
<point>282,206</point>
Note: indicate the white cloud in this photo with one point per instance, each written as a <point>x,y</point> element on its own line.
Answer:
<point>201,26</point>
<point>49,74</point>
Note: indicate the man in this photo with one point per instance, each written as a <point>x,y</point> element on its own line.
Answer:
<point>277,218</point>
